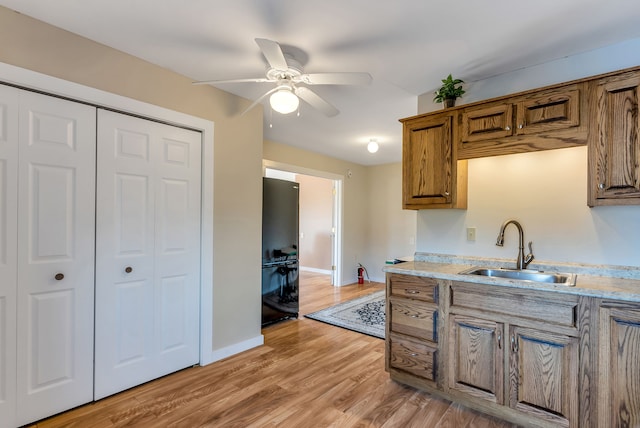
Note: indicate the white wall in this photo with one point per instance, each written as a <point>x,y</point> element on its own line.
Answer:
<point>546,191</point>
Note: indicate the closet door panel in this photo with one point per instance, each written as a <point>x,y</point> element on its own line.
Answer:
<point>149,221</point>
<point>178,246</point>
<point>124,254</point>
<point>8,247</point>
<point>55,255</point>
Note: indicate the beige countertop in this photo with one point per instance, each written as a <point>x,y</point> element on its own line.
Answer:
<point>608,282</point>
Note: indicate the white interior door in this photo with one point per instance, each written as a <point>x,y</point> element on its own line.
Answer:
<point>148,251</point>
<point>56,202</point>
<point>8,246</point>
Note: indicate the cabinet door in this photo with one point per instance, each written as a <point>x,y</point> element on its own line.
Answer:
<point>614,152</point>
<point>619,381</point>
<point>431,177</point>
<point>476,364</point>
<point>548,111</point>
<point>487,123</point>
<point>544,375</point>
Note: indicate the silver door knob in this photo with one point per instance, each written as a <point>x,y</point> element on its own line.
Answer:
<point>507,128</point>
<point>601,186</point>
<point>520,126</point>
<point>59,277</point>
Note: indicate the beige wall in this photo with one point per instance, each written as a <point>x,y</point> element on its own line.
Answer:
<point>316,213</point>
<point>355,198</point>
<point>391,230</point>
<point>546,191</point>
<point>34,45</point>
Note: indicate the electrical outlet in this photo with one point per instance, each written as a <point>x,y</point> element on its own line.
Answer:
<point>471,233</point>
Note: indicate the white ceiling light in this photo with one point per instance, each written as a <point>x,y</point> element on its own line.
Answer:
<point>373,146</point>
<point>284,100</point>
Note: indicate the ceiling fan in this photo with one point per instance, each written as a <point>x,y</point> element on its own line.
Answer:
<point>291,83</point>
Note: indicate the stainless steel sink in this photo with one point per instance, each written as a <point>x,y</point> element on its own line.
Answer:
<point>568,279</point>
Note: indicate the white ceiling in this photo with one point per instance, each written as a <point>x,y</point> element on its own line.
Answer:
<point>406,45</point>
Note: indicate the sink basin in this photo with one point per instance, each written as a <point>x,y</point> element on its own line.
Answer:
<point>567,279</point>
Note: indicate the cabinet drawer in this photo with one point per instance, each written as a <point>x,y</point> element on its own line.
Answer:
<point>414,287</point>
<point>557,308</point>
<point>414,318</point>
<point>413,357</point>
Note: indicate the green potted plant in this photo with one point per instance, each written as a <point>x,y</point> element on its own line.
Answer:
<point>448,92</point>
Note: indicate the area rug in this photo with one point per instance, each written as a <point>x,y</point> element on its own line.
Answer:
<point>363,314</point>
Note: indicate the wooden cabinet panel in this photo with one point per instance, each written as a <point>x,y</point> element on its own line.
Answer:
<point>619,375</point>
<point>413,356</point>
<point>537,120</point>
<point>560,310</point>
<point>614,151</point>
<point>431,177</point>
<point>547,111</point>
<point>475,357</point>
<point>544,375</point>
<point>414,287</point>
<point>486,123</point>
<point>415,319</point>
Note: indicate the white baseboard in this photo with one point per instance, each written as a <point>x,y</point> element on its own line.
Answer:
<point>221,354</point>
<point>316,270</point>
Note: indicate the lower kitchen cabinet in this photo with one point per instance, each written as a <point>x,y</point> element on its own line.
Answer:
<point>513,353</point>
<point>542,367</point>
<point>476,364</point>
<point>619,375</point>
<point>543,375</point>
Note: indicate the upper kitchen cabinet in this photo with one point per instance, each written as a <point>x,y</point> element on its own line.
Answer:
<point>614,141</point>
<point>536,120</point>
<point>431,175</point>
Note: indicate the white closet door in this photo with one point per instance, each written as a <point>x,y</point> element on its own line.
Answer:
<point>8,246</point>
<point>147,252</point>
<point>56,202</point>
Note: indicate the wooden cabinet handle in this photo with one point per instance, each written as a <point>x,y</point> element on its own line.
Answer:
<point>59,277</point>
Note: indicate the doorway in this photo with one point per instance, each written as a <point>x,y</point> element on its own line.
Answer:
<point>320,238</point>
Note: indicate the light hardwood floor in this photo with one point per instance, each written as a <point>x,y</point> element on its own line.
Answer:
<point>308,374</point>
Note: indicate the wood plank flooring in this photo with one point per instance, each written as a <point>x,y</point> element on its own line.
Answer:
<point>308,374</point>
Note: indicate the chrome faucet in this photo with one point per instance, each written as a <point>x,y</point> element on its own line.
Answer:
<point>521,262</point>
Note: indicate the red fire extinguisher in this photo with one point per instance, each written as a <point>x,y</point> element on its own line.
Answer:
<point>360,275</point>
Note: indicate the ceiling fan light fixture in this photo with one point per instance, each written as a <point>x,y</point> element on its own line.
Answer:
<point>373,146</point>
<point>284,101</point>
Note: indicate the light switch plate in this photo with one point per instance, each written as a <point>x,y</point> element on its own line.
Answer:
<point>471,233</point>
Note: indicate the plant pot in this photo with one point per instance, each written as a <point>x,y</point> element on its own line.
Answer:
<point>449,102</point>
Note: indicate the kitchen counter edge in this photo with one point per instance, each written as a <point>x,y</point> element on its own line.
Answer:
<point>604,287</point>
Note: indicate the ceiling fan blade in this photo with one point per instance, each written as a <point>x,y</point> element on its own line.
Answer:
<point>250,80</point>
<point>316,101</point>
<point>336,78</point>
<point>256,102</point>
<point>273,54</point>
